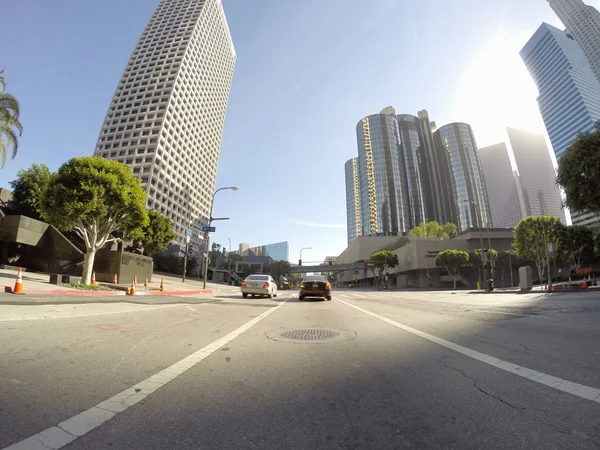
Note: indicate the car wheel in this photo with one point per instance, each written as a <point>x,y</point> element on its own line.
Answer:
<point>328,297</point>
<point>301,298</point>
<point>269,296</point>
<point>274,295</point>
<point>245,295</point>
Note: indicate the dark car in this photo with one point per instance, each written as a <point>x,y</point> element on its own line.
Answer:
<point>315,286</point>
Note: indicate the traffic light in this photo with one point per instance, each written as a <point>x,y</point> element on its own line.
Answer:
<point>300,262</point>
<point>387,272</point>
<point>264,269</point>
<point>330,261</point>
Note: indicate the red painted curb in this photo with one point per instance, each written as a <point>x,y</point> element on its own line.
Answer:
<point>73,292</point>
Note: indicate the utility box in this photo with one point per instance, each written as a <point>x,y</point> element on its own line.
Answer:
<point>525,278</point>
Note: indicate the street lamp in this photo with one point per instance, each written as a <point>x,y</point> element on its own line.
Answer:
<point>305,248</point>
<point>206,233</point>
<point>229,255</point>
<point>480,233</point>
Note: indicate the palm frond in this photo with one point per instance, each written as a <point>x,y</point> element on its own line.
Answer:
<point>9,103</point>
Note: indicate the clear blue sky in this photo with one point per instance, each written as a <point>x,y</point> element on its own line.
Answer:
<point>307,72</point>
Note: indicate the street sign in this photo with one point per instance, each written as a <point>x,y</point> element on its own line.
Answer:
<point>387,266</point>
<point>357,270</point>
<point>189,233</point>
<point>209,229</point>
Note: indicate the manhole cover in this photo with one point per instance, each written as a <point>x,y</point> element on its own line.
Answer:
<point>310,335</point>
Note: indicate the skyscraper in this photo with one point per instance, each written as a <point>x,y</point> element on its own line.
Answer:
<point>382,190</point>
<point>569,92</point>
<point>501,186</point>
<point>352,200</point>
<point>411,143</point>
<point>470,195</point>
<point>539,195</point>
<point>583,23</point>
<point>167,114</point>
<point>530,190</point>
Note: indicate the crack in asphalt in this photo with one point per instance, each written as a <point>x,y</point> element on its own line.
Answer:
<point>489,394</point>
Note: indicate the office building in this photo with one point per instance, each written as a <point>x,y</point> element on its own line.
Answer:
<point>538,193</point>
<point>501,186</point>
<point>279,251</point>
<point>458,142</point>
<point>411,143</point>
<point>529,189</point>
<point>569,92</point>
<point>583,23</point>
<point>166,118</point>
<point>383,192</point>
<point>352,200</point>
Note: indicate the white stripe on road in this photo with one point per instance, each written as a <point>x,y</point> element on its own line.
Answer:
<point>46,317</point>
<point>508,314</point>
<point>65,432</point>
<point>577,389</point>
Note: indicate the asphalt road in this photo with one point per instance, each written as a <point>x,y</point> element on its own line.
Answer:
<point>395,370</point>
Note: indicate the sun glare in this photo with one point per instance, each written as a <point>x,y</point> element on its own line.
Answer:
<point>497,91</point>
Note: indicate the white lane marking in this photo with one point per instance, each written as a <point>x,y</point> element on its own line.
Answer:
<point>570,387</point>
<point>508,314</point>
<point>67,431</point>
<point>46,317</point>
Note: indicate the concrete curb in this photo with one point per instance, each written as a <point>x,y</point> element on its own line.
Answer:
<point>86,293</point>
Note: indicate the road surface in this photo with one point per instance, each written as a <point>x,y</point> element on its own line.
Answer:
<point>366,370</point>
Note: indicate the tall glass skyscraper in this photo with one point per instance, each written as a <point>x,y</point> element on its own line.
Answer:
<point>583,23</point>
<point>470,195</point>
<point>352,200</point>
<point>382,190</point>
<point>412,166</point>
<point>569,92</point>
<point>167,114</point>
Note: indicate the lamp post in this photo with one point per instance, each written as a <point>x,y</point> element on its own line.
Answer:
<point>305,248</point>
<point>510,252</point>
<point>229,256</point>
<point>480,234</point>
<point>206,233</point>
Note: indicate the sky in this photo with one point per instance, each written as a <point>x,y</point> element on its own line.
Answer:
<point>306,73</point>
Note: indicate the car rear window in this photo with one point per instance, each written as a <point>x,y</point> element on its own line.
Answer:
<point>315,278</point>
<point>258,277</point>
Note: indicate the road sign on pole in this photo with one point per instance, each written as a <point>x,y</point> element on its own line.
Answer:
<point>189,233</point>
<point>209,229</point>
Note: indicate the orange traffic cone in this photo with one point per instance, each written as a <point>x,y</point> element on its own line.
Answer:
<point>132,288</point>
<point>162,285</point>
<point>115,279</point>
<point>18,289</point>
<point>93,278</point>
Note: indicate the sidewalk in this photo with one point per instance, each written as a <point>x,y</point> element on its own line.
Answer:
<point>38,284</point>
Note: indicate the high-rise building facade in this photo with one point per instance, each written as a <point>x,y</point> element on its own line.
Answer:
<point>501,186</point>
<point>569,92</point>
<point>167,114</point>
<point>583,23</point>
<point>411,143</point>
<point>539,195</point>
<point>279,251</point>
<point>470,195</point>
<point>382,190</point>
<point>352,200</point>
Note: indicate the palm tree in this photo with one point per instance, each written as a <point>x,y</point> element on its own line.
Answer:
<point>9,123</point>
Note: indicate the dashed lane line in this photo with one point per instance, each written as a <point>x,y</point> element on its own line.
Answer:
<point>66,432</point>
<point>579,390</point>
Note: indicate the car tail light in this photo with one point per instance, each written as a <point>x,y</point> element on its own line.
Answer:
<point>327,285</point>
<point>266,285</point>
<point>302,286</point>
<point>243,284</point>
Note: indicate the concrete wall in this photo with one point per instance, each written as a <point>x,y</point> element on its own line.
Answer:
<point>126,265</point>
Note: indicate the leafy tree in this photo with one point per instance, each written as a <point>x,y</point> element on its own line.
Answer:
<point>10,126</point>
<point>452,261</point>
<point>157,234</point>
<point>531,236</point>
<point>28,189</point>
<point>398,243</point>
<point>379,259</point>
<point>279,269</point>
<point>576,245</point>
<point>95,197</point>
<point>579,173</point>
<point>433,230</point>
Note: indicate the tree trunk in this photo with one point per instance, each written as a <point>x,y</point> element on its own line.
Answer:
<point>88,266</point>
<point>454,281</point>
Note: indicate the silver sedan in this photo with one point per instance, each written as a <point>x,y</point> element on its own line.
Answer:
<point>259,285</point>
